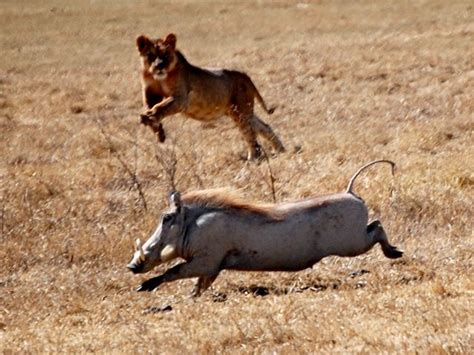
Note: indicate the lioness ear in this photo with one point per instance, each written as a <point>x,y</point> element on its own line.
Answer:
<point>170,40</point>
<point>143,44</point>
<point>175,199</point>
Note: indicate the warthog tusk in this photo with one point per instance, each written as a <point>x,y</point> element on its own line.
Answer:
<point>167,253</point>
<point>138,243</point>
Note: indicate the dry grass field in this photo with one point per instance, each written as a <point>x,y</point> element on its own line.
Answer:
<point>353,81</point>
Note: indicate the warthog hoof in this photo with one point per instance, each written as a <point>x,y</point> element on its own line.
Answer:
<point>392,252</point>
<point>149,285</point>
<point>143,288</point>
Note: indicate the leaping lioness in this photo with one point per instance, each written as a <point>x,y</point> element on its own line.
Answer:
<point>171,85</point>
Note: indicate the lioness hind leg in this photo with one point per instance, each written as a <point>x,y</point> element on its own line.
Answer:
<point>263,129</point>
<point>243,122</point>
<point>376,231</point>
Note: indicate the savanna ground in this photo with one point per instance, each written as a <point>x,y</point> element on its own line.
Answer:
<point>353,81</point>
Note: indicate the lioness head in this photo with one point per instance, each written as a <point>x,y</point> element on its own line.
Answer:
<point>159,55</point>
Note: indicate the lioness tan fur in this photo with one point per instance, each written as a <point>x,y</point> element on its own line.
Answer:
<point>172,85</point>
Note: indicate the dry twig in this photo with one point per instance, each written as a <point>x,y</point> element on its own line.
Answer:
<point>166,158</point>
<point>121,159</point>
<point>271,184</point>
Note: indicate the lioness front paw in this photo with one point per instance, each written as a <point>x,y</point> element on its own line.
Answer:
<point>161,135</point>
<point>145,120</point>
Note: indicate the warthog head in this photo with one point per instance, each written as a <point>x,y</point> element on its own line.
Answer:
<point>162,245</point>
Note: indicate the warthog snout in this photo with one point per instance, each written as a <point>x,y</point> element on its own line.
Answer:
<point>135,268</point>
<point>136,265</point>
<point>162,246</point>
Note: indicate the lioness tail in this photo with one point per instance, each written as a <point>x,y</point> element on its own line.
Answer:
<point>260,98</point>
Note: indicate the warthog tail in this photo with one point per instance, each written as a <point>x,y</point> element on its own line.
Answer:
<point>351,181</point>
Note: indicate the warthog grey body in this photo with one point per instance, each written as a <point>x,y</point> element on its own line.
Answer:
<point>213,231</point>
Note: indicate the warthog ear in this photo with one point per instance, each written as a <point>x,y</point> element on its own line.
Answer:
<point>143,44</point>
<point>170,41</point>
<point>175,199</point>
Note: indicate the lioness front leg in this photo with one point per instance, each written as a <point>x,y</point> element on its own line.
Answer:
<point>154,115</point>
<point>169,106</point>
<point>155,126</point>
<point>151,98</point>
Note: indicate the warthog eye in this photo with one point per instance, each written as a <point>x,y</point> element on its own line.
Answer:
<point>168,218</point>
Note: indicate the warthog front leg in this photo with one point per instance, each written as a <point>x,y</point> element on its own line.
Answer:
<point>202,285</point>
<point>151,284</point>
<point>195,268</point>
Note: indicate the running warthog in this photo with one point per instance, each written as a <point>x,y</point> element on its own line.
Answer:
<point>212,231</point>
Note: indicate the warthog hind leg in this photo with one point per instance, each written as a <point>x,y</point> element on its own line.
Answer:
<point>376,231</point>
